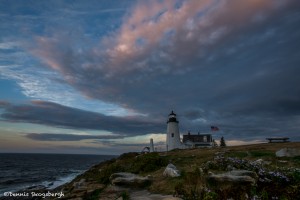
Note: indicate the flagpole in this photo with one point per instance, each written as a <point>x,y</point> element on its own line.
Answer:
<point>213,129</point>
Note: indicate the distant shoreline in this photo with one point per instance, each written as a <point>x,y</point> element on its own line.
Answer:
<point>61,154</point>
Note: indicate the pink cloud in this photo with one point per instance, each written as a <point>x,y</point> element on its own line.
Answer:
<point>158,37</point>
<point>199,23</point>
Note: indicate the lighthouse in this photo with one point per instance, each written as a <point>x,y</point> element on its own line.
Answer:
<point>173,136</point>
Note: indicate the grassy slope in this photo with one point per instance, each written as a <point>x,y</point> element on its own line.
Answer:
<point>187,161</point>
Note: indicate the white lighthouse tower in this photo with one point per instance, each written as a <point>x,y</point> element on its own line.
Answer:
<point>173,136</point>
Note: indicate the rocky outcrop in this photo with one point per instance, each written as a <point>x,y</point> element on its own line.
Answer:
<point>238,173</point>
<point>145,195</point>
<point>288,152</point>
<point>82,188</point>
<point>117,193</point>
<point>171,171</point>
<point>232,179</point>
<point>129,179</point>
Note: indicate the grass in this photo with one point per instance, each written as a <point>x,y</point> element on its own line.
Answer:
<point>94,195</point>
<point>296,159</point>
<point>262,153</point>
<point>147,163</point>
<point>238,154</point>
<point>125,195</point>
<point>192,183</point>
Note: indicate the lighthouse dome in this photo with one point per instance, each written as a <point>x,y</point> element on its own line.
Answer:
<point>172,117</point>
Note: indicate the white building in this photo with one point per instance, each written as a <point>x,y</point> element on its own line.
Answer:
<point>189,141</point>
<point>200,140</point>
<point>173,136</point>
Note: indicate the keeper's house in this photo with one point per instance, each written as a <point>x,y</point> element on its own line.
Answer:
<point>199,140</point>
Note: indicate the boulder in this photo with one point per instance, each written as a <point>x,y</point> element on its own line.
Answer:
<point>288,152</point>
<point>145,195</point>
<point>258,162</point>
<point>243,173</point>
<point>83,187</point>
<point>171,171</point>
<point>232,179</point>
<point>261,162</point>
<point>129,179</point>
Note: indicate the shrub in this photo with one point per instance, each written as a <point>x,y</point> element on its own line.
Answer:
<point>239,154</point>
<point>222,142</point>
<point>193,187</point>
<point>210,196</point>
<point>109,170</point>
<point>125,195</point>
<point>94,195</point>
<point>128,155</point>
<point>148,163</point>
<point>262,154</point>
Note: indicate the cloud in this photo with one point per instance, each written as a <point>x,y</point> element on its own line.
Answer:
<point>155,46</point>
<point>233,64</point>
<point>52,114</point>
<point>193,114</point>
<point>99,144</point>
<point>52,88</point>
<point>114,144</point>
<point>4,104</point>
<point>68,137</point>
<point>8,45</point>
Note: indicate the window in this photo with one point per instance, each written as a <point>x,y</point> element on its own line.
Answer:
<point>172,134</point>
<point>204,139</point>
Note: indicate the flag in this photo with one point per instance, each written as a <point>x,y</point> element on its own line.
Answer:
<point>214,128</point>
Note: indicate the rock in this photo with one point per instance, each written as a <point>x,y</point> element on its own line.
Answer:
<point>82,188</point>
<point>258,161</point>
<point>288,152</point>
<point>283,161</point>
<point>115,192</point>
<point>145,195</point>
<point>171,171</point>
<point>243,173</point>
<point>232,179</point>
<point>129,179</point>
<point>230,167</point>
<point>112,192</point>
<point>79,184</point>
<point>261,162</point>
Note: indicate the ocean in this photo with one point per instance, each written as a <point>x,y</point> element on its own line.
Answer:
<point>23,171</point>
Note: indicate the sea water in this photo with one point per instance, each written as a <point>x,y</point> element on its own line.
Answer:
<point>23,171</point>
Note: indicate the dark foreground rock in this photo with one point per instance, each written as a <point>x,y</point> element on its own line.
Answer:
<point>129,180</point>
<point>232,179</point>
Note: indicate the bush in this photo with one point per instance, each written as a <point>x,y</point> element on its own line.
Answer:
<point>128,155</point>
<point>109,170</point>
<point>239,154</point>
<point>125,195</point>
<point>210,196</point>
<point>148,163</point>
<point>262,154</point>
<point>193,187</point>
<point>94,195</point>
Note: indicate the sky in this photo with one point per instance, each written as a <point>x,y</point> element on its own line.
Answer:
<point>101,77</point>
